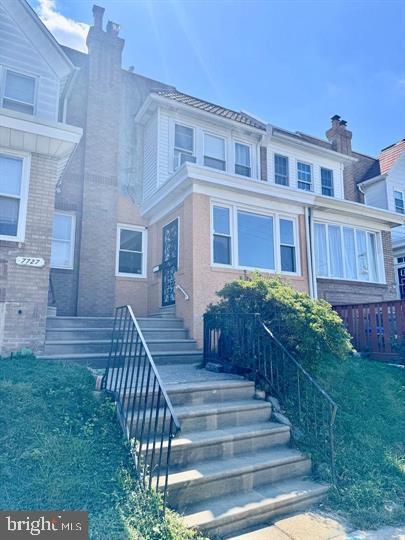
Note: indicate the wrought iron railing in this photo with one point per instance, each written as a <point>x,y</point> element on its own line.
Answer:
<point>244,343</point>
<point>144,408</point>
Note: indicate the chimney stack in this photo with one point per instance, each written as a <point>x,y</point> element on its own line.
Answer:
<point>98,14</point>
<point>339,136</point>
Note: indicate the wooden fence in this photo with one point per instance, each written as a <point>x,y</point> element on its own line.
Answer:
<point>377,329</point>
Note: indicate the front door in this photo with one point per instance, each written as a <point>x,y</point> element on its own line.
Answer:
<point>169,262</point>
<point>401,282</point>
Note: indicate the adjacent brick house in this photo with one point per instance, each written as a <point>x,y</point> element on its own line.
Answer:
<point>167,197</point>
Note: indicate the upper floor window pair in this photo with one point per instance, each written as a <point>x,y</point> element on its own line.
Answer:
<point>18,92</point>
<point>214,151</point>
<point>304,175</point>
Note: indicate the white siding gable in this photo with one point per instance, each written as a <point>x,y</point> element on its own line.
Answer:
<point>396,180</point>
<point>19,54</point>
<point>376,195</point>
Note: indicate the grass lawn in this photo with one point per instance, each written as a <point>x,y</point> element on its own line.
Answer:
<point>370,441</point>
<point>62,448</point>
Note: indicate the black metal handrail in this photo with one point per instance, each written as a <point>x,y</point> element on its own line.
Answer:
<point>244,343</point>
<point>144,408</point>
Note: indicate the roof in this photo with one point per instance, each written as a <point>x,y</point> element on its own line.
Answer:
<point>206,106</point>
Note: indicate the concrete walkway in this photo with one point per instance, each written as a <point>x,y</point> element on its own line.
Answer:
<point>313,526</point>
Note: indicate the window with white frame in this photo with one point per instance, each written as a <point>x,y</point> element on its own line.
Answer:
<point>281,170</point>
<point>214,152</point>
<point>131,251</point>
<point>183,145</point>
<point>287,246</point>
<point>245,239</point>
<point>13,196</point>
<point>327,182</point>
<point>222,250</point>
<point>19,92</point>
<point>242,159</point>
<point>63,240</point>
<point>399,202</point>
<point>304,176</point>
<point>344,252</point>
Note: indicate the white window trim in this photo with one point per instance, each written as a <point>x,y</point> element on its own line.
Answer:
<point>24,74</point>
<point>312,190</point>
<point>144,231</point>
<point>225,139</point>
<point>23,198</point>
<point>380,255</point>
<point>69,266</point>
<point>233,218</point>
<point>248,145</point>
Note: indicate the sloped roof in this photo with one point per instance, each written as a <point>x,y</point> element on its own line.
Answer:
<point>206,106</point>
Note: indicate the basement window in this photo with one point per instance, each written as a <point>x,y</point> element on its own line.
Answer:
<point>131,251</point>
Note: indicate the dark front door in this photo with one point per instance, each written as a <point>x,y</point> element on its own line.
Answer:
<point>401,281</point>
<point>169,262</point>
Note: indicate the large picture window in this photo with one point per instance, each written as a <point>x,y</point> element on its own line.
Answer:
<point>131,251</point>
<point>347,253</point>
<point>63,240</point>
<point>245,239</point>
<point>13,197</point>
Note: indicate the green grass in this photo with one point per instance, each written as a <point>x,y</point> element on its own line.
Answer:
<point>370,441</point>
<point>61,448</point>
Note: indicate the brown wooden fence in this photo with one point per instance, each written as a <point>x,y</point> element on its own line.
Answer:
<point>376,328</point>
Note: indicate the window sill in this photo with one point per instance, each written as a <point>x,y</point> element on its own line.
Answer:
<point>227,267</point>
<point>352,281</point>
<point>66,268</point>
<point>15,239</point>
<point>123,277</point>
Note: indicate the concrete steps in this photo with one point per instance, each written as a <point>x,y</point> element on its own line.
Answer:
<point>87,340</point>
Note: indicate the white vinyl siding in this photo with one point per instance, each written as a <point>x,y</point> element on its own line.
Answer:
<point>131,251</point>
<point>376,195</point>
<point>63,240</point>
<point>150,146</point>
<point>14,178</point>
<point>18,54</point>
<point>246,239</point>
<point>344,252</point>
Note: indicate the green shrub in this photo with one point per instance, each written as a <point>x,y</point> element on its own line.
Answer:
<point>308,328</point>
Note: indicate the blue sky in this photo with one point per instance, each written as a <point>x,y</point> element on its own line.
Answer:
<point>294,63</point>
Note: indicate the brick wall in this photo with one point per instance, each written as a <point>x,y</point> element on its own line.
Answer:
<point>24,289</point>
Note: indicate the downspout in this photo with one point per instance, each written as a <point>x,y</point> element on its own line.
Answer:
<point>313,290</point>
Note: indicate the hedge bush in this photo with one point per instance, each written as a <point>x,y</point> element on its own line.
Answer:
<point>308,328</point>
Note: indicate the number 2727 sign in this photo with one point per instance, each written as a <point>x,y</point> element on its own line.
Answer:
<point>38,262</point>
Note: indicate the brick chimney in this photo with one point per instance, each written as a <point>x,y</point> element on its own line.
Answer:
<point>340,136</point>
<point>389,155</point>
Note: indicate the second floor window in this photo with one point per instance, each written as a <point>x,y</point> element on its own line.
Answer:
<point>399,202</point>
<point>242,159</point>
<point>183,145</point>
<point>304,174</point>
<point>281,170</point>
<point>327,182</point>
<point>19,92</point>
<point>214,152</point>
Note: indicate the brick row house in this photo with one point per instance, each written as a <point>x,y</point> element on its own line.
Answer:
<point>167,196</point>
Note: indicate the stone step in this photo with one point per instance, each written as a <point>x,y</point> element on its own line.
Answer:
<point>77,334</point>
<point>224,443</point>
<point>217,415</point>
<point>100,360</point>
<point>94,346</point>
<point>210,391</point>
<point>107,322</point>
<point>204,480</point>
<point>226,516</point>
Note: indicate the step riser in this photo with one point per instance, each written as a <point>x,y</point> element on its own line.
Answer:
<point>78,334</point>
<point>188,493</point>
<point>177,346</point>
<point>161,359</point>
<point>185,456</point>
<point>101,362</point>
<point>100,322</point>
<point>255,520</point>
<point>104,347</point>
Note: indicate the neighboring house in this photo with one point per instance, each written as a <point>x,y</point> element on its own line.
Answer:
<point>35,145</point>
<point>168,197</point>
<point>383,186</point>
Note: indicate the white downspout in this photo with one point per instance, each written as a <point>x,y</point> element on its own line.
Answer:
<point>313,290</point>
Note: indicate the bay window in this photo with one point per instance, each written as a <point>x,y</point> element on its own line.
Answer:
<point>63,240</point>
<point>214,152</point>
<point>242,159</point>
<point>347,253</point>
<point>131,251</point>
<point>222,235</point>
<point>183,145</point>
<point>13,196</point>
<point>19,92</point>
<point>245,239</point>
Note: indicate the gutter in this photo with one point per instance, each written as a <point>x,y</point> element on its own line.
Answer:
<point>67,91</point>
